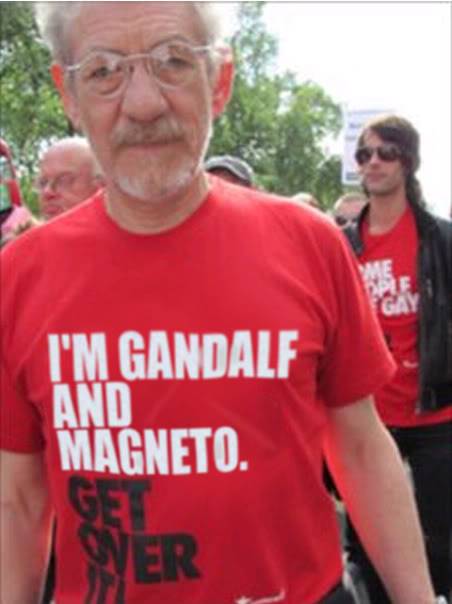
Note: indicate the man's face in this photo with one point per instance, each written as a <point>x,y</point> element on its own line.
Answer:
<point>348,211</point>
<point>149,140</point>
<point>381,178</point>
<point>65,179</point>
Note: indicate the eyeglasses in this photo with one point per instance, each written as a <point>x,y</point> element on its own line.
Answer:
<point>343,221</point>
<point>60,183</point>
<point>106,73</point>
<point>386,152</point>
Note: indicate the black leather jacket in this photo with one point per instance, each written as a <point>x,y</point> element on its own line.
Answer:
<point>434,268</point>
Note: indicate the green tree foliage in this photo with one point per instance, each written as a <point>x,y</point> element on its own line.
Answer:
<point>310,117</point>
<point>275,123</point>
<point>30,111</point>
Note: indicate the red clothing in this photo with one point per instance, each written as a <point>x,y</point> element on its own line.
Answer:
<point>388,265</point>
<point>173,381</point>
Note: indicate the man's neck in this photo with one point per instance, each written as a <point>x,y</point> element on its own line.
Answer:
<point>385,211</point>
<point>153,217</point>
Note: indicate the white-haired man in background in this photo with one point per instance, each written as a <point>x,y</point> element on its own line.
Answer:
<point>347,208</point>
<point>162,380</point>
<point>68,174</point>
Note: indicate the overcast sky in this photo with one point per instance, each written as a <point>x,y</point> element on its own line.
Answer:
<point>379,55</point>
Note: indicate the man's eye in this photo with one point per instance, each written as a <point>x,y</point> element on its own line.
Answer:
<point>101,73</point>
<point>177,63</point>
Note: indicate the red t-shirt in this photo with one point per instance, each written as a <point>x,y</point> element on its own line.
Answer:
<point>174,382</point>
<point>389,268</point>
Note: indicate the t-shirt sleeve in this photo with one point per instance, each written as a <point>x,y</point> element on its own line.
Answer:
<point>357,361</point>
<point>20,421</point>
<point>20,424</point>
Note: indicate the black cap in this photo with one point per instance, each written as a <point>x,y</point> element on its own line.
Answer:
<point>237,167</point>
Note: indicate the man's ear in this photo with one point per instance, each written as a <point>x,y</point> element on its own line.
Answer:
<point>67,96</point>
<point>223,84</point>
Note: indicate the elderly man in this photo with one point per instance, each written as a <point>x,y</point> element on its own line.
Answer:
<point>347,208</point>
<point>68,175</point>
<point>162,381</point>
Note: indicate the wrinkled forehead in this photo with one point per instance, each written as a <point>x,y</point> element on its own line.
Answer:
<point>59,160</point>
<point>350,208</point>
<point>132,26</point>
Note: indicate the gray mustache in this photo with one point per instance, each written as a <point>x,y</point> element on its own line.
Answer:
<point>161,131</point>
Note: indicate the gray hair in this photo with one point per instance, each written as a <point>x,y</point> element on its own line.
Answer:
<point>54,19</point>
<point>352,197</point>
<point>77,143</point>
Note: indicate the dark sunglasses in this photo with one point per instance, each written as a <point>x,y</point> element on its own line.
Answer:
<point>343,220</point>
<point>386,152</point>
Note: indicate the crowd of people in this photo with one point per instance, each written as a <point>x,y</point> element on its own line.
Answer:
<point>68,174</point>
<point>183,353</point>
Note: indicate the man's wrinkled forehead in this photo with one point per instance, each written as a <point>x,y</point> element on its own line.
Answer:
<point>59,159</point>
<point>133,26</point>
<point>350,208</point>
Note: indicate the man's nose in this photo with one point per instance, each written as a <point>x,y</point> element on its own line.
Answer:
<point>374,158</point>
<point>143,100</point>
<point>48,191</point>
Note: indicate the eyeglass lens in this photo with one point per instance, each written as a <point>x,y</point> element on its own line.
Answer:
<point>340,220</point>
<point>344,220</point>
<point>171,64</point>
<point>386,152</point>
<point>59,183</point>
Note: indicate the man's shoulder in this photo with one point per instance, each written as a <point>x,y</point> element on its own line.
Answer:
<point>427,221</point>
<point>436,233</point>
<point>444,224</point>
<point>273,208</point>
<point>84,214</point>
<point>38,242</point>
<point>444,230</point>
